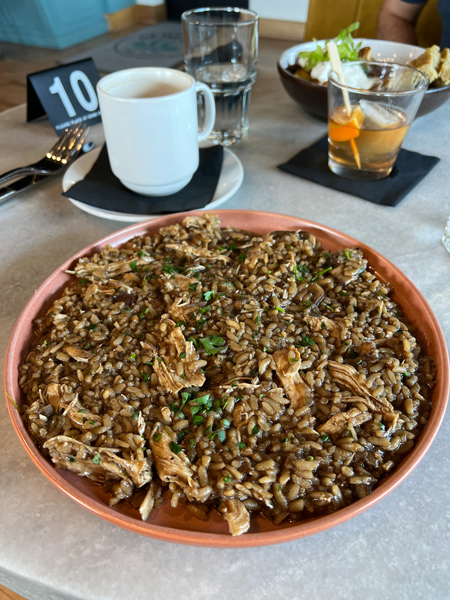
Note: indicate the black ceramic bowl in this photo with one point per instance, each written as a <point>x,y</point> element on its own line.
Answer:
<point>312,97</point>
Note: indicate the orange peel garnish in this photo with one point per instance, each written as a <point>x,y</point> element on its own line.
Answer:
<point>344,132</point>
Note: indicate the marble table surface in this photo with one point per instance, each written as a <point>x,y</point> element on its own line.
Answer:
<point>51,548</point>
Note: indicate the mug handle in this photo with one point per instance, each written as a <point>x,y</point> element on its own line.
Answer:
<point>210,110</point>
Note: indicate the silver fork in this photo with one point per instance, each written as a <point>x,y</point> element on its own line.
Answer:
<point>57,158</point>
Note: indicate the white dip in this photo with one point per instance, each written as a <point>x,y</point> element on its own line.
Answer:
<point>354,77</point>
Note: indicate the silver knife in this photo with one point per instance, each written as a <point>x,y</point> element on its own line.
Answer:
<point>30,180</point>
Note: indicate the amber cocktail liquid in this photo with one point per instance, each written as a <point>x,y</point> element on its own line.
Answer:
<point>369,119</point>
<point>364,145</point>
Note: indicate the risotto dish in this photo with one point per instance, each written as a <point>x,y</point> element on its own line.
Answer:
<point>227,371</point>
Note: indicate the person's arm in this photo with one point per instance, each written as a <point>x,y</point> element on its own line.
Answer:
<point>397,21</point>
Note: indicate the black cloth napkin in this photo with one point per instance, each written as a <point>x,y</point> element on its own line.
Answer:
<point>409,169</point>
<point>102,189</point>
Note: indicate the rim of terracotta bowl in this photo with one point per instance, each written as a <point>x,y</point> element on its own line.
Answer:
<point>178,525</point>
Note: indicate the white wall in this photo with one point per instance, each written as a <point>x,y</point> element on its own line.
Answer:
<point>283,10</point>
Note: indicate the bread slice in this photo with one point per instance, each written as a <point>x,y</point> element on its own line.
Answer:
<point>444,68</point>
<point>428,62</point>
<point>365,53</point>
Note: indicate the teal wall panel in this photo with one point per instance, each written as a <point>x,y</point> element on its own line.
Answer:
<point>111,6</point>
<point>55,23</point>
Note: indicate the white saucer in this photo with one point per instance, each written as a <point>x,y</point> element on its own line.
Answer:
<point>231,177</point>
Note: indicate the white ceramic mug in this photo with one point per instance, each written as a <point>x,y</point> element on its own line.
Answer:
<point>150,121</point>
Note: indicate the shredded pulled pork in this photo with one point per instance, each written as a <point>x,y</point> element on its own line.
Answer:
<point>256,375</point>
<point>287,364</point>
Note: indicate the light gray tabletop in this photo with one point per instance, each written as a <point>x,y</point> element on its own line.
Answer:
<point>399,549</point>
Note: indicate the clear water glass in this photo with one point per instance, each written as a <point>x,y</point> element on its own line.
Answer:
<point>221,50</point>
<point>446,236</point>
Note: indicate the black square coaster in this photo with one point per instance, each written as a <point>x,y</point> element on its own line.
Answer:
<point>102,189</point>
<point>409,169</point>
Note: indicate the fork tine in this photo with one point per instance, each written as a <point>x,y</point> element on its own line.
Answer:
<point>75,145</point>
<point>66,142</point>
<point>59,144</point>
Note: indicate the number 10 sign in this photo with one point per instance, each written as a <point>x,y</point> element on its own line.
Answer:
<point>66,94</point>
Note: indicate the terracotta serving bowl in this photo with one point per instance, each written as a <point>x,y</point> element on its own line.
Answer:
<point>180,525</point>
<point>312,97</point>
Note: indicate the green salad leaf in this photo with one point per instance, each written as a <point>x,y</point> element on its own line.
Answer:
<point>347,49</point>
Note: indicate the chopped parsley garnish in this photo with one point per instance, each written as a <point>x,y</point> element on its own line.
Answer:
<point>136,414</point>
<point>221,435</point>
<point>280,309</point>
<point>197,420</point>
<point>182,355</point>
<point>175,447</point>
<point>169,269</point>
<point>213,344</point>
<point>307,341</point>
<point>255,430</point>
<point>192,442</point>
<point>144,311</point>
<point>182,435</point>
<point>325,438</point>
<point>382,295</point>
<point>208,295</point>
<point>382,426</point>
<point>133,266</point>
<point>227,478</point>
<point>91,327</point>
<point>71,459</point>
<point>201,404</point>
<point>156,437</point>
<point>321,273</point>
<point>293,360</point>
<point>132,356</point>
<point>242,257</point>
<point>241,445</point>
<point>96,459</point>
<point>13,402</point>
<point>297,276</point>
<point>193,287</point>
<point>226,423</point>
<point>406,374</point>
<point>194,341</point>
<point>145,377</point>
